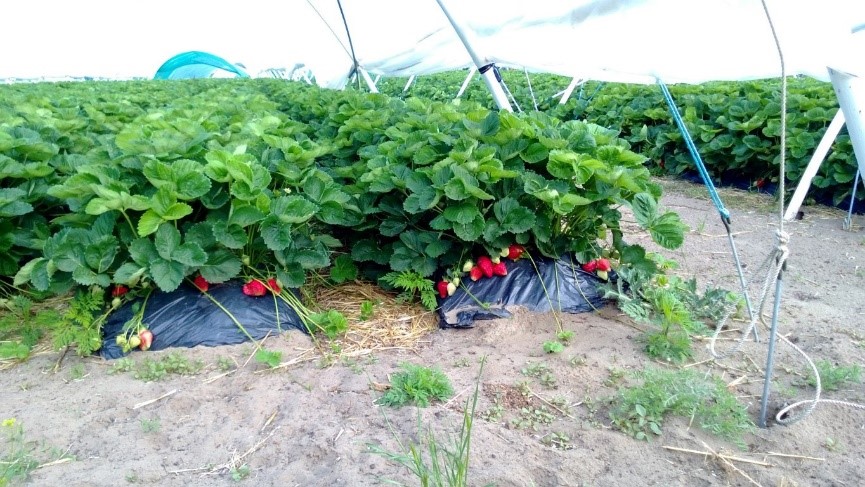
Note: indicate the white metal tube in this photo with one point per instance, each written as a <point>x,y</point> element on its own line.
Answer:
<point>489,74</point>
<point>465,84</point>
<point>408,83</point>
<point>811,170</point>
<point>850,89</point>
<point>369,81</point>
<point>570,89</point>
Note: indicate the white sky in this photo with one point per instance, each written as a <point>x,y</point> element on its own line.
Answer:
<point>133,38</point>
<point>125,38</point>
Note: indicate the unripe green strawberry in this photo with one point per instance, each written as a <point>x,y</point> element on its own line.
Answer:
<point>467,267</point>
<point>115,303</point>
<point>120,340</point>
<point>602,275</point>
<point>134,341</point>
<point>456,281</point>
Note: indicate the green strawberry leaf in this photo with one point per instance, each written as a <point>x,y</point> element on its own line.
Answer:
<point>343,269</point>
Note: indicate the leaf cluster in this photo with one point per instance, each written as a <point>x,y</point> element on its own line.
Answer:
<point>417,385</point>
<point>639,410</point>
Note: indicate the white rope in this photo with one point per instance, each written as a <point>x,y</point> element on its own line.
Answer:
<point>774,263</point>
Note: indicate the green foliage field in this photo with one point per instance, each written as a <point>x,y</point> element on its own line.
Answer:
<point>150,183</point>
<point>735,125</point>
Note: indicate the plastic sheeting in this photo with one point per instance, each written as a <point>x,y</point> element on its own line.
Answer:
<point>187,318</point>
<point>559,285</point>
<point>608,40</point>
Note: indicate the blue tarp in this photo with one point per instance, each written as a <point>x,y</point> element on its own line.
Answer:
<point>197,64</point>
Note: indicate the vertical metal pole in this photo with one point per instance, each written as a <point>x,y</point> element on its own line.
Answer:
<point>770,359</point>
<point>465,84</point>
<point>489,75</point>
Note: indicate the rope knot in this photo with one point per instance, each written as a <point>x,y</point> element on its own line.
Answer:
<point>781,247</point>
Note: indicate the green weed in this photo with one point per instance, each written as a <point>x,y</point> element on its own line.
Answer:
<point>122,365</point>
<point>21,327</point>
<point>239,473</point>
<point>833,377</point>
<point>225,364</point>
<point>434,463</point>
<point>271,358</point>
<point>367,309</point>
<point>150,425</point>
<point>417,385</point>
<point>639,410</point>
<point>553,347</point>
<point>153,370</point>
<point>19,457</point>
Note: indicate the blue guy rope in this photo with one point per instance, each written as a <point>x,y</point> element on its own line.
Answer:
<point>698,161</point>
<point>713,193</point>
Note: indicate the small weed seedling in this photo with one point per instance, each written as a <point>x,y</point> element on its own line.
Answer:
<point>535,369</point>
<point>553,347</point>
<point>19,457</point>
<point>639,410</point>
<point>495,412</point>
<point>150,425</point>
<point>239,473</point>
<point>565,336</point>
<point>462,362</point>
<point>153,370</point>
<point>431,461</point>
<point>417,385</point>
<point>224,364</point>
<point>122,365</point>
<point>367,309</point>
<point>533,418</point>
<point>77,372</point>
<point>271,358</point>
<point>833,377</point>
<point>560,441</point>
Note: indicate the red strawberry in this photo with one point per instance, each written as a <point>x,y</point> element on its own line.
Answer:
<point>254,288</point>
<point>500,269</point>
<point>476,273</point>
<point>442,288</point>
<point>603,265</point>
<point>119,290</point>
<point>273,285</point>
<point>201,283</point>
<point>590,266</point>
<point>486,266</point>
<point>515,251</point>
<point>146,337</point>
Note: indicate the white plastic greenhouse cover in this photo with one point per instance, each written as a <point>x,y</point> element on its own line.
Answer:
<point>615,40</point>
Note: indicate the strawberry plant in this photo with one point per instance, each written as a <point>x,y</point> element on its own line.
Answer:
<point>186,185</point>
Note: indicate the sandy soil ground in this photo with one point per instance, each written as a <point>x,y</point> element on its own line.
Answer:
<point>310,423</point>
